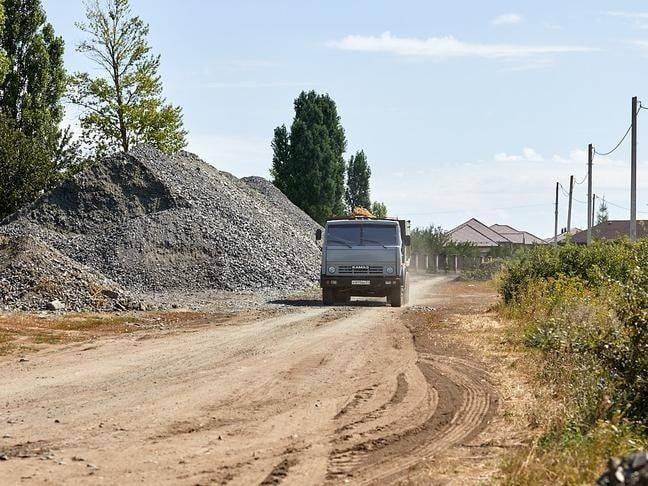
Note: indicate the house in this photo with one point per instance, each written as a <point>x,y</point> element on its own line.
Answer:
<point>612,230</point>
<point>516,236</point>
<point>562,237</point>
<point>486,238</point>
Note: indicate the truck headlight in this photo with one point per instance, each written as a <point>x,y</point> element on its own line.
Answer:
<point>389,270</point>
<point>331,269</point>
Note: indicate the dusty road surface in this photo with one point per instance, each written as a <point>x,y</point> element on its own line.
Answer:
<point>311,395</point>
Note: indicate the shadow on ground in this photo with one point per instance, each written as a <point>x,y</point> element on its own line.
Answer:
<point>318,303</point>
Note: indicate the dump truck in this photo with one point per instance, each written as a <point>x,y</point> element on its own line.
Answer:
<point>365,256</point>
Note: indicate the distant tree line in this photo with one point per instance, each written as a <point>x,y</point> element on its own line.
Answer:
<point>308,163</point>
<point>122,107</point>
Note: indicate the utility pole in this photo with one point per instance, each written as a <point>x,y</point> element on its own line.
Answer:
<point>569,210</point>
<point>590,160</point>
<point>593,209</point>
<point>556,216</point>
<point>633,173</point>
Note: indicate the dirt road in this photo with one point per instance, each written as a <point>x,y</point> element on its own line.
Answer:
<point>313,395</point>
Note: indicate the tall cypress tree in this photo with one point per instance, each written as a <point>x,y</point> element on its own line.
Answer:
<point>308,164</point>
<point>34,151</point>
<point>31,91</point>
<point>358,175</point>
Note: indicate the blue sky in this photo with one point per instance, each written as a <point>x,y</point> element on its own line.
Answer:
<point>464,108</point>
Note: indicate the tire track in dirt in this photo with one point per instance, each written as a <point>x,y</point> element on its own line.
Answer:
<point>465,401</point>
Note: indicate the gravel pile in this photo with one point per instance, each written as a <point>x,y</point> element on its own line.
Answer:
<point>282,204</point>
<point>631,470</point>
<point>35,276</point>
<point>153,222</point>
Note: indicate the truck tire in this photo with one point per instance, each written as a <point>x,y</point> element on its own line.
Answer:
<point>396,299</point>
<point>328,297</point>
<point>341,299</point>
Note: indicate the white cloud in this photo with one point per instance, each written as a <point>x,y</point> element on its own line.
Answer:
<point>528,155</point>
<point>446,47</point>
<point>507,19</point>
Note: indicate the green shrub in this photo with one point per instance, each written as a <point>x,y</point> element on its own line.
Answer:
<point>586,309</point>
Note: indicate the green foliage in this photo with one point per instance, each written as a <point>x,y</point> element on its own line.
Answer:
<point>308,165</point>
<point>483,271</point>
<point>32,83</point>
<point>378,209</point>
<point>357,186</point>
<point>35,82</point>
<point>434,240</point>
<point>4,59</point>
<point>586,309</point>
<point>126,107</point>
<point>431,240</point>
<point>26,168</point>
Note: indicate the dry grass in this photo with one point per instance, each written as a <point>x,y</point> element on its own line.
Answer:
<point>21,333</point>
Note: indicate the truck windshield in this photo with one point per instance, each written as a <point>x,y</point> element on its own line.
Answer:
<point>361,235</point>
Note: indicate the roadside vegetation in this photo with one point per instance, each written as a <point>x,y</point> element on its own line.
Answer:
<point>581,312</point>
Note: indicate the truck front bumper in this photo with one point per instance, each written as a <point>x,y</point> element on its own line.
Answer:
<point>361,286</point>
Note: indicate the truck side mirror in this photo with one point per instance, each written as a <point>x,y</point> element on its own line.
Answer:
<point>318,235</point>
<point>408,240</point>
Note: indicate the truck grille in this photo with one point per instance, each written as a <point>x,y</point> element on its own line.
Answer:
<point>360,270</point>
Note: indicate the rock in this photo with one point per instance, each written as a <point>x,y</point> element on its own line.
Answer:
<point>55,305</point>
<point>631,470</point>
<point>3,456</point>
<point>173,223</point>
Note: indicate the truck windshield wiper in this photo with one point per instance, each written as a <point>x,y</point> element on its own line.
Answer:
<point>344,242</point>
<point>375,241</point>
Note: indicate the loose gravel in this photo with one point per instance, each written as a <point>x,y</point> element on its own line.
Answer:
<point>153,222</point>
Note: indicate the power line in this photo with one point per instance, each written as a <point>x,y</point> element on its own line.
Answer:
<point>616,146</point>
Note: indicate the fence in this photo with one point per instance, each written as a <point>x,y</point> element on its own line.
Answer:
<point>444,263</point>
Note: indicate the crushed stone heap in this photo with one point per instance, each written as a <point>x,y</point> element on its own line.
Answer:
<point>150,221</point>
<point>35,276</point>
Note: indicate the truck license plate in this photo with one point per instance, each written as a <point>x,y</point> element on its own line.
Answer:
<point>360,282</point>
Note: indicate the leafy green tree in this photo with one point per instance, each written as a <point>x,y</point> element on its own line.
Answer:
<point>308,164</point>
<point>34,151</point>
<point>26,167</point>
<point>379,210</point>
<point>31,91</point>
<point>280,170</point>
<point>430,240</point>
<point>126,107</point>
<point>357,188</point>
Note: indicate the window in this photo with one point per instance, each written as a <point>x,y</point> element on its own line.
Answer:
<point>362,235</point>
<point>343,235</point>
<point>379,234</point>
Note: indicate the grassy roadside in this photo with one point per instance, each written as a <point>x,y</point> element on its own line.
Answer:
<point>577,316</point>
<point>24,333</point>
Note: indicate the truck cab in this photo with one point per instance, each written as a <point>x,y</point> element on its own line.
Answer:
<point>365,257</point>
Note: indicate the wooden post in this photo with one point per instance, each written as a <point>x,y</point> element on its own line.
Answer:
<point>436,263</point>
<point>427,263</point>
<point>456,263</point>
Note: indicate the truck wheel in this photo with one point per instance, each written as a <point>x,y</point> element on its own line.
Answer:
<point>341,299</point>
<point>328,297</point>
<point>396,298</point>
